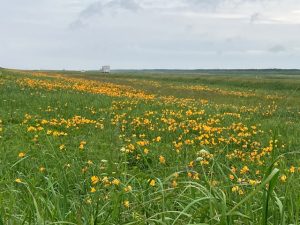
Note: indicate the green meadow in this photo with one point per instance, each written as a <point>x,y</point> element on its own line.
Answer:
<point>150,147</point>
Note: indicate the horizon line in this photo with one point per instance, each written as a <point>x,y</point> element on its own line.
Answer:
<point>155,69</point>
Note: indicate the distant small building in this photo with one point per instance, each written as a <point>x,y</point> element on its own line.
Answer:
<point>105,69</point>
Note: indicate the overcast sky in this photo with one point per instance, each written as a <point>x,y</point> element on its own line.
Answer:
<point>143,34</point>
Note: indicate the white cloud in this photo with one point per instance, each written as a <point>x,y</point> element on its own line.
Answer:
<point>150,33</point>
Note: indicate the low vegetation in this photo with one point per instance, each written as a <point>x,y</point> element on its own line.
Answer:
<point>156,147</point>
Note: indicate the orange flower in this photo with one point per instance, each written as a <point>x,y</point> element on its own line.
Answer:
<point>162,160</point>
<point>292,169</point>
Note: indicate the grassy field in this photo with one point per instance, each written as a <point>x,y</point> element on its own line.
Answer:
<point>150,147</point>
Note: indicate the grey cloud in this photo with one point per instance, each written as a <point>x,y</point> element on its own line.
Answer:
<point>212,3</point>
<point>130,5</point>
<point>255,17</point>
<point>277,49</point>
<point>77,24</point>
<point>92,9</point>
<point>99,7</point>
<point>220,3</point>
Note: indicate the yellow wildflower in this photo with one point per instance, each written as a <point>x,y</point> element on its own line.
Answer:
<point>152,183</point>
<point>81,145</point>
<point>233,169</point>
<point>128,188</point>
<point>252,182</point>
<point>84,169</point>
<point>105,180</point>
<point>116,182</point>
<point>283,178</point>
<point>196,176</point>
<point>22,154</point>
<point>235,188</point>
<point>31,129</point>
<point>18,180</point>
<point>244,170</point>
<point>174,184</point>
<point>95,180</point>
<point>126,203</point>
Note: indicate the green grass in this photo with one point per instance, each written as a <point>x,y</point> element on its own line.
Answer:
<point>230,141</point>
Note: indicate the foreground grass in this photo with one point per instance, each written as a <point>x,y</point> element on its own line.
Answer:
<point>148,149</point>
